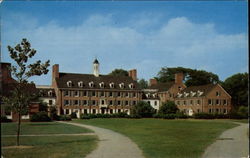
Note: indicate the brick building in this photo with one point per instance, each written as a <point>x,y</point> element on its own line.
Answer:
<point>95,93</point>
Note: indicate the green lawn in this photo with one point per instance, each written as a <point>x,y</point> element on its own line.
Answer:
<point>41,128</point>
<point>160,138</point>
<point>47,146</point>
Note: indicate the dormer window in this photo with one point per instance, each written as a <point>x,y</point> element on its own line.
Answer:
<point>186,94</point>
<point>69,83</point>
<point>131,85</point>
<point>112,85</point>
<point>101,84</point>
<point>80,84</point>
<point>49,93</point>
<point>192,93</point>
<point>91,84</point>
<point>199,93</point>
<point>179,95</point>
<point>121,85</point>
<point>147,95</point>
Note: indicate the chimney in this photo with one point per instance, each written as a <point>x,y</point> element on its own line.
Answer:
<point>55,72</point>
<point>5,72</point>
<point>133,74</point>
<point>179,78</point>
<point>152,81</point>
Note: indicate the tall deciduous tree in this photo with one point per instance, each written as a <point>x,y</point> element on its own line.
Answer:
<point>20,98</point>
<point>143,84</point>
<point>193,77</point>
<point>119,72</point>
<point>237,87</point>
<point>168,108</point>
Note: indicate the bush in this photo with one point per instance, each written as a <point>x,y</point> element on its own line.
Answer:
<point>142,109</point>
<point>203,116</point>
<point>165,116</point>
<point>181,115</point>
<point>168,108</point>
<point>73,115</point>
<point>64,118</point>
<point>85,116</point>
<point>5,119</point>
<point>40,117</point>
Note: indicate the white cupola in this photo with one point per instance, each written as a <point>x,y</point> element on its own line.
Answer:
<point>96,68</point>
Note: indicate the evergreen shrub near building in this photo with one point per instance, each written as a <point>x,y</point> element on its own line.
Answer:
<point>117,115</point>
<point>5,119</point>
<point>73,115</point>
<point>65,118</point>
<point>40,117</point>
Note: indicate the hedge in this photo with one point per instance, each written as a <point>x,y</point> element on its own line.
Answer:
<point>5,119</point>
<point>40,117</point>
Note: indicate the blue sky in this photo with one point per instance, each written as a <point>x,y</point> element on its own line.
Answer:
<point>145,35</point>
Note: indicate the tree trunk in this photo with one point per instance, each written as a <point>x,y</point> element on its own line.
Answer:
<point>18,129</point>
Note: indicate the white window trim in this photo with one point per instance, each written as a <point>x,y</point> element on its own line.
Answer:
<point>80,84</point>
<point>91,84</point>
<point>69,83</point>
<point>121,85</point>
<point>101,84</point>
<point>112,85</point>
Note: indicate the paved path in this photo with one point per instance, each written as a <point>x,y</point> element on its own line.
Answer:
<point>39,135</point>
<point>111,144</point>
<point>233,143</point>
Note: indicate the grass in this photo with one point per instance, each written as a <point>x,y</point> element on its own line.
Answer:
<point>160,138</point>
<point>47,146</point>
<point>42,128</point>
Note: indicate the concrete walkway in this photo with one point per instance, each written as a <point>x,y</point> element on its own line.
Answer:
<point>111,144</point>
<point>233,143</point>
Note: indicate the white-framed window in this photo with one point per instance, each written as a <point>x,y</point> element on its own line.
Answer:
<point>217,93</point>
<point>80,84</point>
<point>127,94</point>
<point>210,101</point>
<point>93,102</point>
<point>66,102</point>
<point>217,101</point>
<point>76,93</point>
<point>101,84</point>
<point>118,102</point>
<point>110,94</point>
<point>85,93</point>
<point>131,85</point>
<point>118,94</point>
<point>69,83</point>
<point>191,102</point>
<point>121,85</point>
<point>199,93</point>
<point>50,102</point>
<point>93,93</point>
<point>85,102</point>
<point>91,84</point>
<point>224,102</point>
<point>102,102</point>
<point>110,102</point>
<point>126,102</point>
<point>112,85</point>
<point>50,93</point>
<point>198,102</point>
<point>66,93</point>
<point>76,102</point>
<point>156,103</point>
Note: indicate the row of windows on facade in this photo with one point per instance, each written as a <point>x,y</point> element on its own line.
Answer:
<point>155,103</point>
<point>101,85</point>
<point>94,111</point>
<point>99,94</point>
<point>95,102</point>
<point>149,95</point>
<point>210,111</point>
<point>197,102</point>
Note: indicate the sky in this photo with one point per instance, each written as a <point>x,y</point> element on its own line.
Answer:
<point>142,35</point>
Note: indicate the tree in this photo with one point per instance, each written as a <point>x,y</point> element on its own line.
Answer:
<point>192,77</point>
<point>142,109</point>
<point>20,98</point>
<point>143,84</point>
<point>237,86</point>
<point>119,72</point>
<point>168,108</point>
<point>43,106</point>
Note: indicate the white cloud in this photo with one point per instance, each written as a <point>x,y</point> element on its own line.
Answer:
<point>178,42</point>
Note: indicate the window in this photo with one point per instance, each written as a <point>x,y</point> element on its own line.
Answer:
<point>111,111</point>
<point>85,111</point>
<point>126,94</point>
<point>94,111</point>
<point>76,93</point>
<point>102,102</point>
<point>210,101</point>
<point>126,102</point>
<point>121,85</point>
<point>80,84</point>
<point>224,111</point>
<point>134,95</point>
<point>67,111</point>
<point>93,93</point>
<point>69,83</point>
<point>119,110</point>
<point>66,93</point>
<point>101,84</point>
<point>84,102</point>
<point>76,102</point>
<point>217,93</point>
<point>224,102</point>
<point>217,102</point>
<point>112,85</point>
<point>155,103</point>
<point>49,93</point>
<point>131,85</point>
<point>118,102</point>
<point>85,93</point>
<point>184,102</point>
<point>210,110</point>
<point>134,102</point>
<point>110,94</point>
<point>198,102</point>
<point>50,102</point>
<point>91,84</point>
<point>191,102</point>
<point>111,102</point>
<point>119,94</point>
<point>66,102</point>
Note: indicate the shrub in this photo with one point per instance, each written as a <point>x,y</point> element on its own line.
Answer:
<point>5,119</point>
<point>204,116</point>
<point>142,109</point>
<point>64,118</point>
<point>181,115</point>
<point>165,116</point>
<point>168,108</point>
<point>85,116</point>
<point>73,115</point>
<point>40,117</point>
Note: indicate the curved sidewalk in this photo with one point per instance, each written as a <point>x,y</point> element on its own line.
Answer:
<point>233,143</point>
<point>111,144</point>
